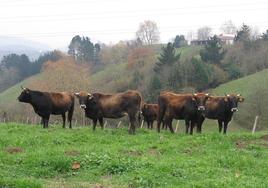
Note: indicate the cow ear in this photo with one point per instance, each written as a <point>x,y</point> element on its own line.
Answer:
<point>27,90</point>
<point>241,99</point>
<point>90,96</point>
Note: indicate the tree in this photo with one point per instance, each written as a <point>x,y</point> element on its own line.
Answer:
<point>203,33</point>
<point>243,35</point>
<point>265,35</point>
<point>228,27</point>
<point>213,52</point>
<point>148,33</point>
<point>167,57</point>
<point>180,41</point>
<point>83,50</point>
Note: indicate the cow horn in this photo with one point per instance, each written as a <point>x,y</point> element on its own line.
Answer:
<point>207,94</point>
<point>195,94</point>
<point>22,88</point>
<point>76,94</point>
<point>238,94</point>
<point>227,95</point>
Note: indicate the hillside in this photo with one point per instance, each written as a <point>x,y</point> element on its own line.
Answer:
<point>34,157</point>
<point>246,85</point>
<point>255,89</point>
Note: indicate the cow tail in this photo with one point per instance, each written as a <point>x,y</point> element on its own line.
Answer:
<point>161,113</point>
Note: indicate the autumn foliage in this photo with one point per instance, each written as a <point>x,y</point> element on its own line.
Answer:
<point>62,75</point>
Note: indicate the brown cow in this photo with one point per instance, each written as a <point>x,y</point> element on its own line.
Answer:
<point>149,112</point>
<point>180,106</point>
<point>46,103</point>
<point>221,108</point>
<point>98,106</point>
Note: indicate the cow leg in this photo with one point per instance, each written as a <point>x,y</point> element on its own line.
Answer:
<point>225,127</point>
<point>63,119</point>
<point>187,122</point>
<point>94,124</point>
<point>152,124</point>
<point>148,124</point>
<point>199,124</point>
<point>132,120</point>
<point>70,117</point>
<point>169,124</point>
<point>220,125</point>
<point>42,122</point>
<point>192,123</point>
<point>101,122</point>
<point>46,119</point>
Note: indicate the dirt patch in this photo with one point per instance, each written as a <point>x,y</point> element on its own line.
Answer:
<point>133,153</point>
<point>153,151</point>
<point>264,137</point>
<point>72,153</point>
<point>240,144</point>
<point>13,150</point>
<point>188,151</point>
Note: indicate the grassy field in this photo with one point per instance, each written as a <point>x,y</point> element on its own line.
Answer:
<point>56,157</point>
<point>246,85</point>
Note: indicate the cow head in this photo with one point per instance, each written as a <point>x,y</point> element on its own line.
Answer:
<point>83,98</point>
<point>233,101</point>
<point>25,95</point>
<point>144,109</point>
<point>200,99</point>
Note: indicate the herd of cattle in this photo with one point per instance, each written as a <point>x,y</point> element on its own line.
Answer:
<point>193,108</point>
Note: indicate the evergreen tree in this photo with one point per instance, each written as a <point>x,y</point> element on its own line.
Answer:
<point>213,52</point>
<point>167,57</point>
<point>180,41</point>
<point>83,50</point>
<point>243,35</point>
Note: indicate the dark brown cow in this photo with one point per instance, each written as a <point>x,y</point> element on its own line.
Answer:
<point>180,106</point>
<point>221,108</point>
<point>149,112</point>
<point>46,103</point>
<point>98,106</point>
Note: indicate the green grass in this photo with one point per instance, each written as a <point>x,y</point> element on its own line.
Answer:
<point>246,85</point>
<point>33,157</point>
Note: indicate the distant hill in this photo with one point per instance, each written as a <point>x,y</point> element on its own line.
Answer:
<point>16,45</point>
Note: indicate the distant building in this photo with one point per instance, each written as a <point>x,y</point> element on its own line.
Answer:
<point>227,38</point>
<point>199,42</point>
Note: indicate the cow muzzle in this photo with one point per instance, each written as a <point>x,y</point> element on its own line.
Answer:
<point>234,109</point>
<point>83,106</point>
<point>201,108</point>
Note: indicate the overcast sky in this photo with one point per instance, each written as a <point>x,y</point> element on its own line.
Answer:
<point>55,22</point>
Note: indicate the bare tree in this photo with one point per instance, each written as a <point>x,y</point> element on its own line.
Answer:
<point>148,33</point>
<point>228,27</point>
<point>204,33</point>
<point>190,35</point>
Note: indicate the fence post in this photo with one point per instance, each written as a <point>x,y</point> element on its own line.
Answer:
<point>142,123</point>
<point>118,124</point>
<point>177,125</point>
<point>255,124</point>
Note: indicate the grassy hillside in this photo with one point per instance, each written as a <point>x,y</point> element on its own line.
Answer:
<point>246,85</point>
<point>34,157</point>
<point>255,90</point>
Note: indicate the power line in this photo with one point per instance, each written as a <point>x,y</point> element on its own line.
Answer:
<point>109,17</point>
<point>109,32</point>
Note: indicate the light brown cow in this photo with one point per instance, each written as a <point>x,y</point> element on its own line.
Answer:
<point>98,106</point>
<point>180,106</point>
